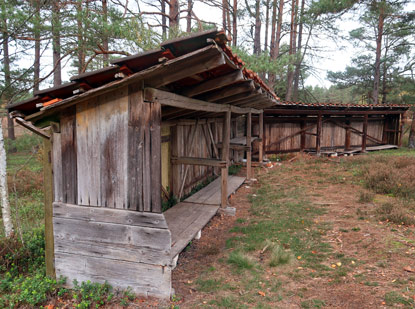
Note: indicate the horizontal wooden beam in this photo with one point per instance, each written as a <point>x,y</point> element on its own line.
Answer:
<point>236,147</point>
<point>215,83</point>
<point>31,127</point>
<point>179,101</point>
<point>198,161</point>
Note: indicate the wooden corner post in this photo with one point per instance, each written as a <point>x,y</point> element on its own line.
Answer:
<point>225,157</point>
<point>249,145</point>
<point>48,187</point>
<point>318,135</point>
<point>261,137</point>
<point>302,138</point>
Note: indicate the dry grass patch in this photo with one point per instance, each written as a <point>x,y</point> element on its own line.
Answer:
<point>394,176</point>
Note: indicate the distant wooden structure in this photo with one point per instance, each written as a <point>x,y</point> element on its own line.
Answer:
<point>152,124</point>
<point>330,128</point>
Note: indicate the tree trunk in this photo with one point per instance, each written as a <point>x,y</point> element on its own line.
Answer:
<point>36,65</point>
<point>174,17</point>
<point>163,19</point>
<point>224,5</point>
<point>4,198</point>
<point>189,16</point>
<point>385,75</point>
<point>376,75</point>
<point>228,18</point>
<point>266,25</point>
<point>234,20</point>
<point>105,43</point>
<point>257,35</point>
<point>56,43</point>
<point>411,142</point>
<point>292,51</point>
<point>275,36</point>
<point>299,56</point>
<point>7,92</point>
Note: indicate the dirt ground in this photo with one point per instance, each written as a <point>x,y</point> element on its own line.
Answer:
<point>378,254</point>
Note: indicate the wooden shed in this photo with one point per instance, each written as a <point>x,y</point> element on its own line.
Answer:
<point>117,139</point>
<point>331,128</point>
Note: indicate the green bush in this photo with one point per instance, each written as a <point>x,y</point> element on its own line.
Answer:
<point>24,143</point>
<point>89,293</point>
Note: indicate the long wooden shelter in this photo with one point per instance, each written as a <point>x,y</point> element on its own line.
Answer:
<point>118,139</point>
<point>330,128</point>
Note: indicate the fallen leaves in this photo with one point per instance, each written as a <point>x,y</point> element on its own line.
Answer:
<point>261,293</point>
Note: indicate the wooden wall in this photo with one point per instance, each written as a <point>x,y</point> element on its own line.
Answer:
<point>127,249</point>
<point>333,135</point>
<point>107,153</point>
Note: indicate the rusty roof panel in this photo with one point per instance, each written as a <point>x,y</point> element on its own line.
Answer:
<point>182,46</point>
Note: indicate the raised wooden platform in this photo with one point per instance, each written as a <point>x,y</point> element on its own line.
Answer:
<point>187,218</point>
<point>211,194</point>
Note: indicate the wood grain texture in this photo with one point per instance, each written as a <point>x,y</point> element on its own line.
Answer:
<point>113,144</point>
<point>88,130</point>
<point>123,247</point>
<point>143,279</point>
<point>155,160</point>
<point>57,167</point>
<point>135,148</point>
<point>69,159</point>
<point>107,215</point>
<point>48,190</point>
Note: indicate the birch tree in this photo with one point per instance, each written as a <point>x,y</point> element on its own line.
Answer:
<point>5,206</point>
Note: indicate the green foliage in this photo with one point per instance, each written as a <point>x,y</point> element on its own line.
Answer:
<point>240,261</point>
<point>234,169</point>
<point>87,294</point>
<point>25,143</point>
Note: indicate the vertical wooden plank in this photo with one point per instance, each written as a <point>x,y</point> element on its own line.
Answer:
<point>113,117</point>
<point>303,135</point>
<point>175,169</point>
<point>401,126</point>
<point>226,131</point>
<point>364,137</point>
<point>135,148</point>
<point>88,153</point>
<point>261,137</point>
<point>48,187</point>
<point>69,164</point>
<point>248,144</point>
<point>146,158</point>
<point>155,163</point>
<point>318,137</point>
<point>57,167</point>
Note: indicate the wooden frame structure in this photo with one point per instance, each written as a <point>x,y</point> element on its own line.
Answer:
<point>119,138</point>
<point>330,128</point>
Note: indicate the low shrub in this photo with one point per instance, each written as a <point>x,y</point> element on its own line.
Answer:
<point>240,261</point>
<point>395,176</point>
<point>398,212</point>
<point>279,256</point>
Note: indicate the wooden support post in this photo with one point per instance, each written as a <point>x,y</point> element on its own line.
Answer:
<point>303,133</point>
<point>385,130</point>
<point>48,187</point>
<point>347,142</point>
<point>248,144</point>
<point>318,136</point>
<point>364,137</point>
<point>225,157</point>
<point>401,125</point>
<point>261,137</point>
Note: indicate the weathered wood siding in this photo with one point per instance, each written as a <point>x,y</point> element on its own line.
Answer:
<point>124,248</point>
<point>333,135</point>
<point>108,153</point>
